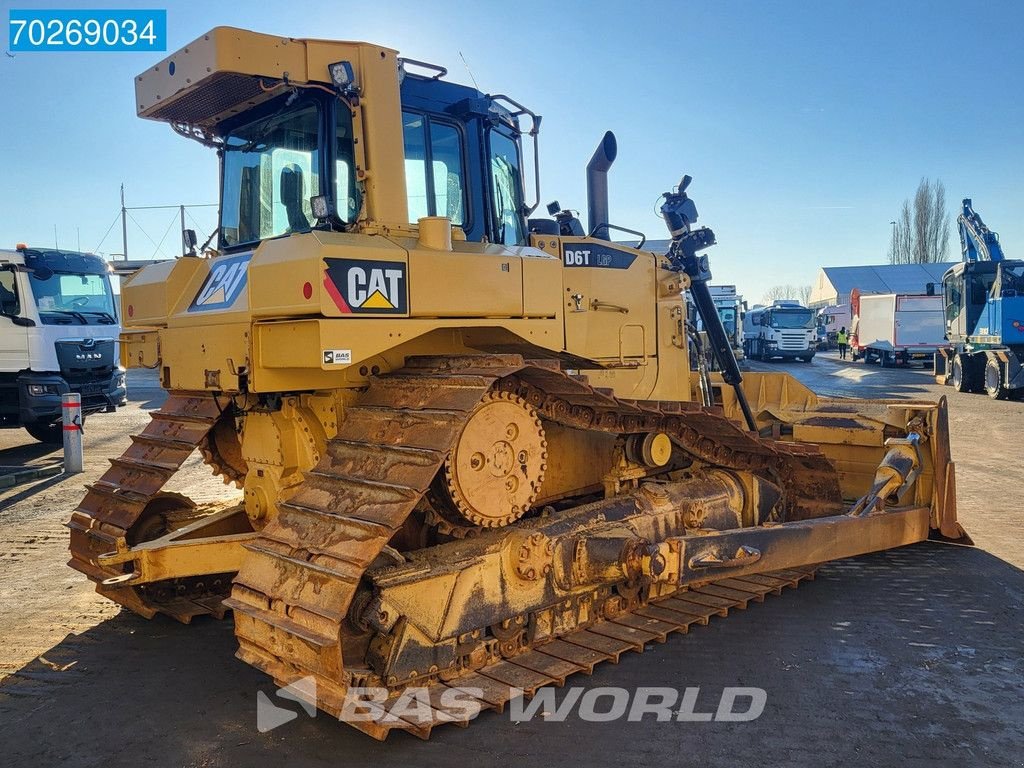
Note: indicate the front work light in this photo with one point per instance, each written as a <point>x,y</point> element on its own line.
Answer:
<point>342,75</point>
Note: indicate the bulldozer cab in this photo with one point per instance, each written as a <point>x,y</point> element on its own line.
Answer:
<point>462,161</point>
<point>463,158</point>
<point>324,135</point>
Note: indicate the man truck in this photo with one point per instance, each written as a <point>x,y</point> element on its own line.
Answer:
<point>58,334</point>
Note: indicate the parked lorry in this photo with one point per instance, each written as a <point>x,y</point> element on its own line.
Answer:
<point>785,329</point>
<point>829,321</point>
<point>58,334</point>
<point>730,308</point>
<point>896,328</point>
<point>984,315</point>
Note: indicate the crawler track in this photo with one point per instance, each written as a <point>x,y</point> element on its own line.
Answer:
<point>114,505</point>
<point>292,597</point>
<point>494,685</point>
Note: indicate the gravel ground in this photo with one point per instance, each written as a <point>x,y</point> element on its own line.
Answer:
<point>906,657</point>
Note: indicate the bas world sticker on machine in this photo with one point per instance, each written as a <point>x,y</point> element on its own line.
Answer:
<point>337,356</point>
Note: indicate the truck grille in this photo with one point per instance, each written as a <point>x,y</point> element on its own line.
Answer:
<point>85,360</point>
<point>793,341</point>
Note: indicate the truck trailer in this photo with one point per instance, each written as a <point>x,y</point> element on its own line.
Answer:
<point>896,328</point>
<point>59,327</point>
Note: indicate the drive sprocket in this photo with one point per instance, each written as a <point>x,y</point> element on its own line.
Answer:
<point>222,451</point>
<point>496,468</point>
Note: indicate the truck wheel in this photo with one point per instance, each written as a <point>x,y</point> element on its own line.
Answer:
<point>994,380</point>
<point>807,358</point>
<point>962,374</point>
<point>887,360</point>
<point>51,434</point>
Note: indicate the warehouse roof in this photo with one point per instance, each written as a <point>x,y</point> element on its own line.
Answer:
<point>885,278</point>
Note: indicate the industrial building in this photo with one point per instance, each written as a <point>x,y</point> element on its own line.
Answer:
<point>833,284</point>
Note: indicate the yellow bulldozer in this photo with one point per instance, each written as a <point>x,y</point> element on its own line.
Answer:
<point>474,455</point>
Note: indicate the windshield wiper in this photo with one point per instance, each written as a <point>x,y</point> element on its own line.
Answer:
<point>74,313</point>
<point>105,317</point>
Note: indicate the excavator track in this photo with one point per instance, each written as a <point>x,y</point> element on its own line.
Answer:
<point>114,506</point>
<point>292,596</point>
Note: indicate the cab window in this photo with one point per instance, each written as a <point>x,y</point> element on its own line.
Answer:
<point>434,171</point>
<point>9,302</point>
<point>271,170</point>
<point>953,299</point>
<point>506,190</point>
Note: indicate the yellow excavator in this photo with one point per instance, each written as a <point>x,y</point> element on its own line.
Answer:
<point>472,452</point>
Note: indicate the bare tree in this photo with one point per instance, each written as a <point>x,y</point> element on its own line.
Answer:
<point>801,293</point>
<point>921,234</point>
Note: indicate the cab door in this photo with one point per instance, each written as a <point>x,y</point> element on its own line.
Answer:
<point>610,297</point>
<point>953,297</point>
<point>13,338</point>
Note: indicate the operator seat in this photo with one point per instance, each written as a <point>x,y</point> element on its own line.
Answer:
<point>291,197</point>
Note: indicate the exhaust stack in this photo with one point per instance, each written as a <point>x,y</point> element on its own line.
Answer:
<point>597,185</point>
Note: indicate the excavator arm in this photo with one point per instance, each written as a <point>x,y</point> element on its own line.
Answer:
<point>977,241</point>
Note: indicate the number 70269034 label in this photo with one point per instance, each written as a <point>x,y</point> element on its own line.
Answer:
<point>87,30</point>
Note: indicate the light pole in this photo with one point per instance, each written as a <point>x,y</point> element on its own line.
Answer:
<point>892,246</point>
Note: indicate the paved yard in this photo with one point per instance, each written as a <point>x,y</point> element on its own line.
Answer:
<point>909,657</point>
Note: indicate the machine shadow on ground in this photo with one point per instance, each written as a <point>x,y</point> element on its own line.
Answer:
<point>916,653</point>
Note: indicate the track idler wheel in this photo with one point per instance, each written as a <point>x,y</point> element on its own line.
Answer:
<point>496,468</point>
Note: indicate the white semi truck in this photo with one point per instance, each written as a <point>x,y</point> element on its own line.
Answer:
<point>830,321</point>
<point>730,307</point>
<point>785,329</point>
<point>891,328</point>
<point>58,333</point>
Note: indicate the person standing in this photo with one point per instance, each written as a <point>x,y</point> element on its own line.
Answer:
<point>842,340</point>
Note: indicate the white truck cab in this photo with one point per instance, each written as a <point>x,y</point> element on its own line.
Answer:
<point>785,329</point>
<point>59,329</point>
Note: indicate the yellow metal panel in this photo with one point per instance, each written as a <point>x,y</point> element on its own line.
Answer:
<point>604,306</point>
<point>150,296</point>
<point>542,286</point>
<point>209,360</point>
<point>280,269</point>
<point>140,349</point>
<point>290,355</point>
<point>381,137</point>
<point>221,50</point>
<point>472,281</point>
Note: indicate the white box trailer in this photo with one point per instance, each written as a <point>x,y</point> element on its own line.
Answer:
<point>891,328</point>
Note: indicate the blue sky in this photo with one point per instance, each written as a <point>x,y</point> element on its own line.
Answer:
<point>804,125</point>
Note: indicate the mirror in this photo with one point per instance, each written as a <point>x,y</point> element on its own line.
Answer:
<point>189,240</point>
